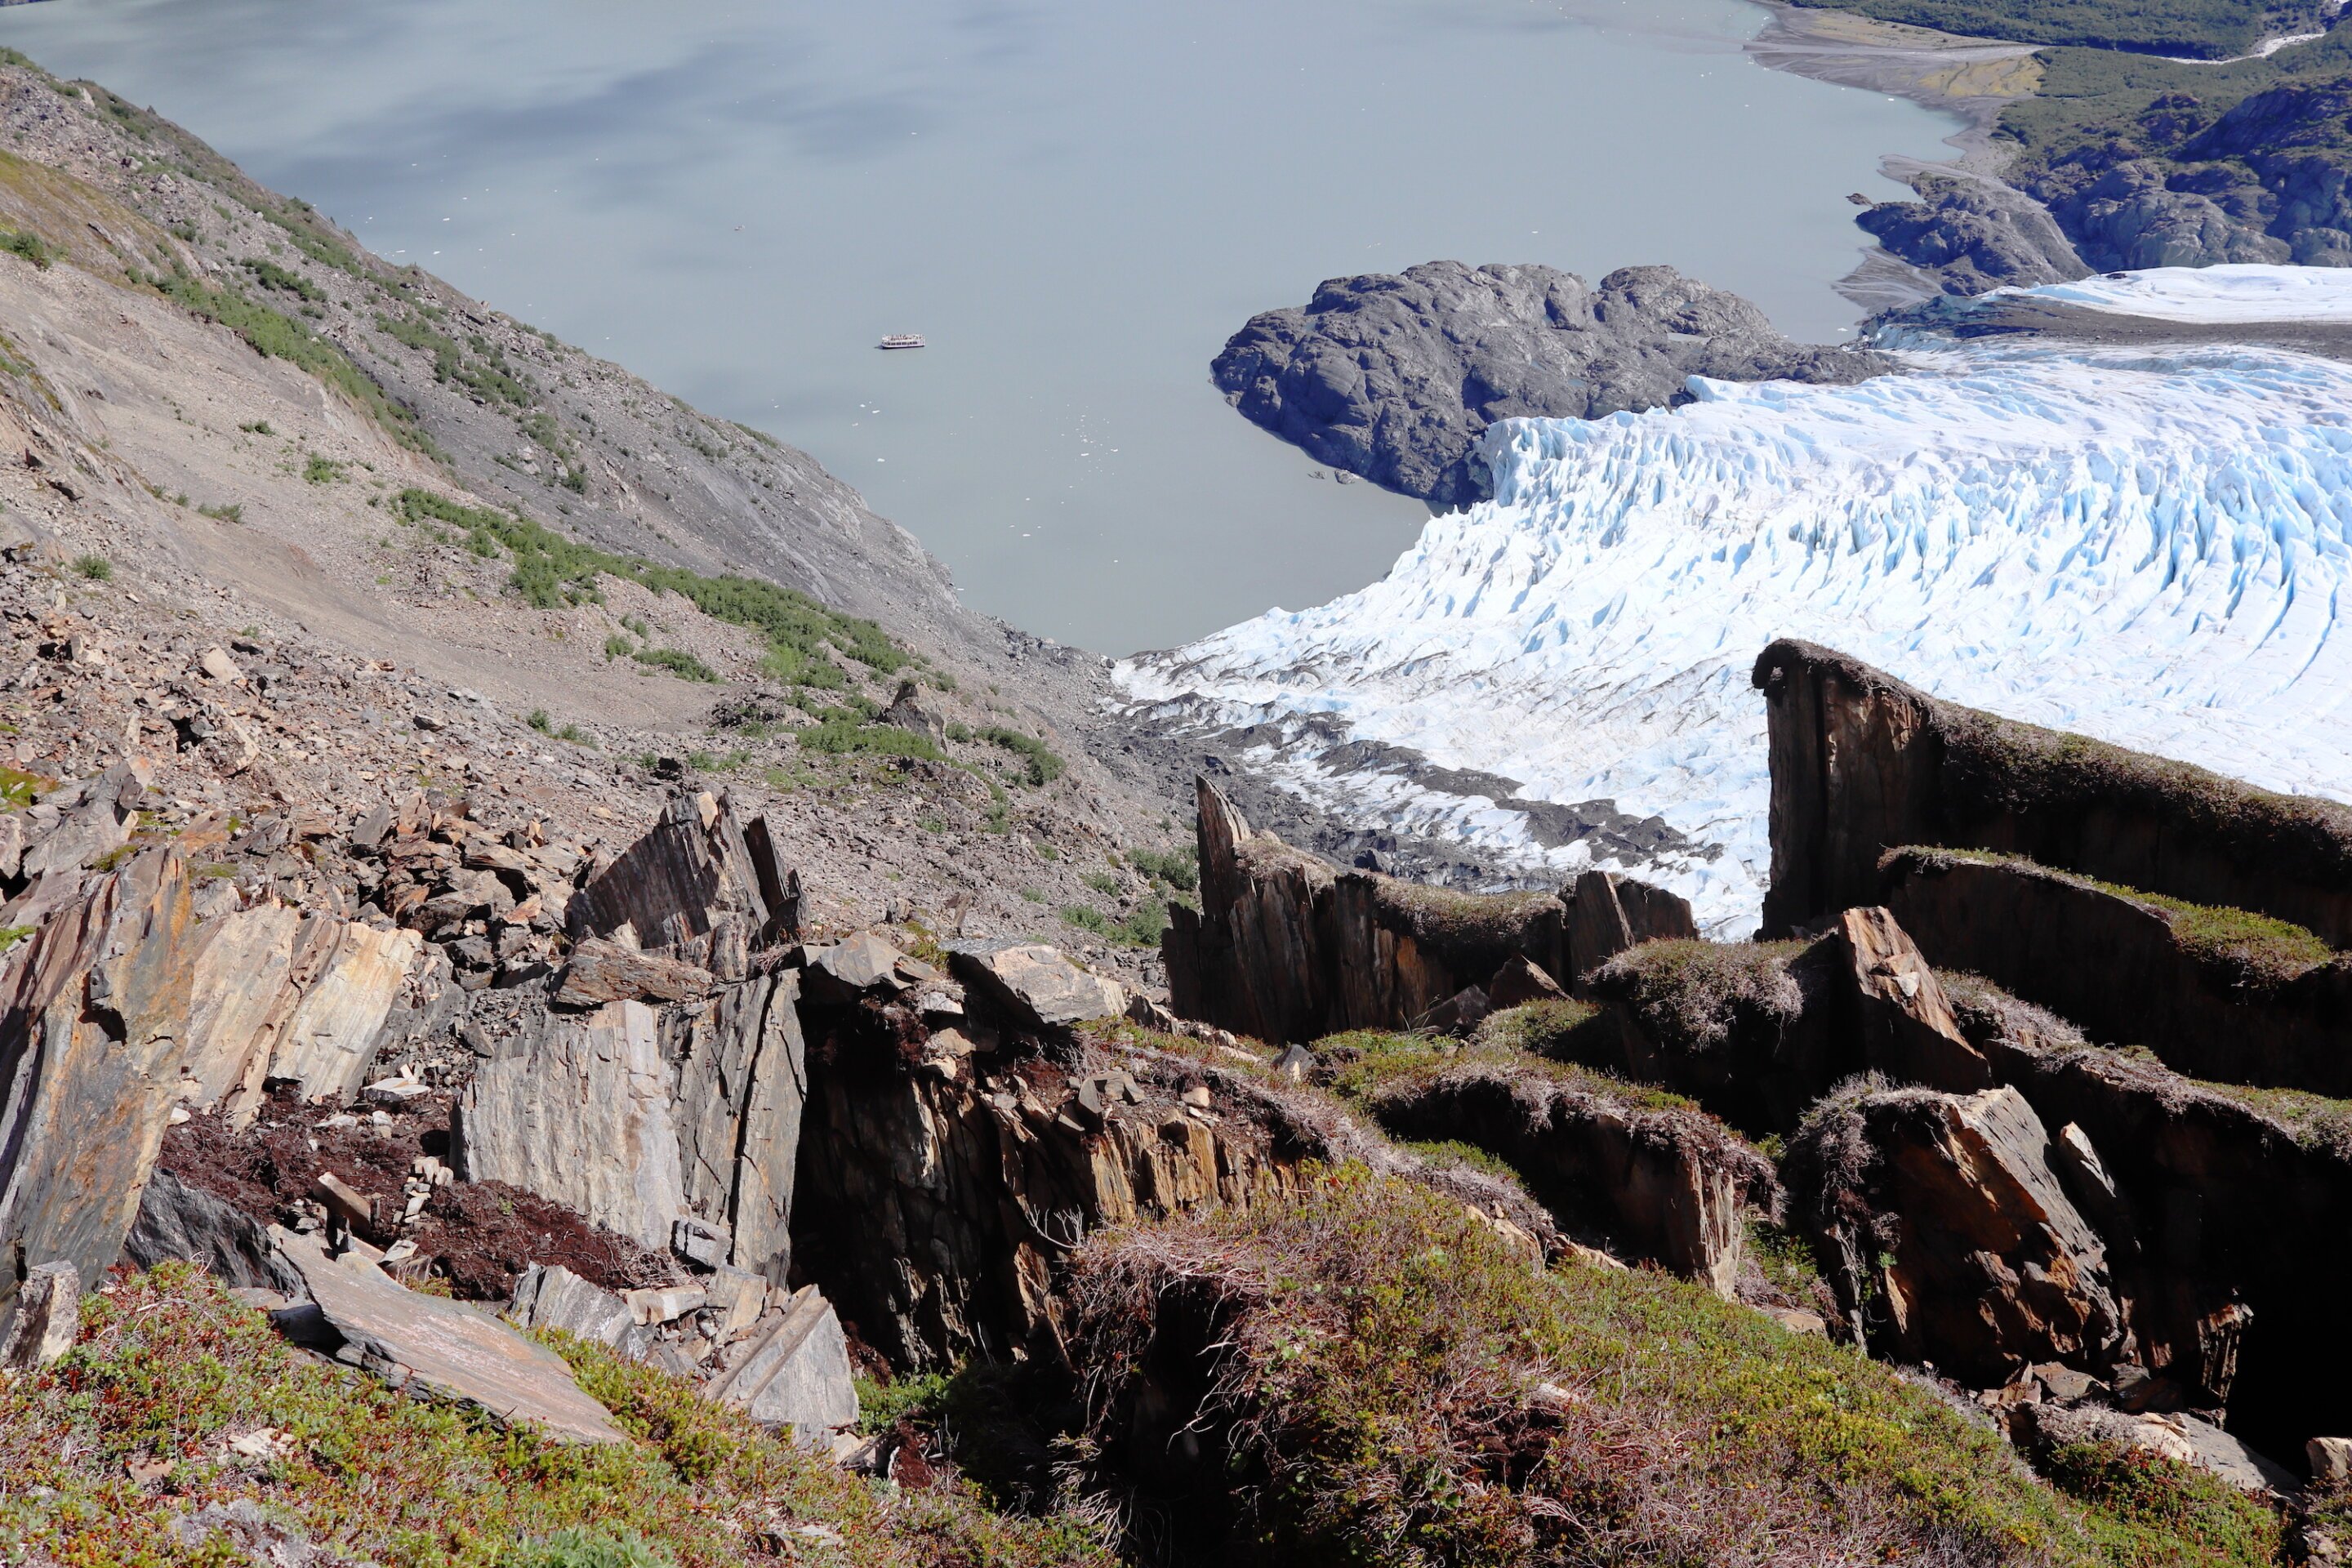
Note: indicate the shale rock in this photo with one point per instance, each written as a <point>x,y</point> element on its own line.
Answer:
<point>1034,985</point>
<point>444,1346</point>
<point>1396,378</point>
<point>1956,1242</point>
<point>600,972</point>
<point>743,1085</point>
<point>552,1297</point>
<point>1287,949</point>
<point>797,1375</point>
<point>93,1006</point>
<point>2252,1009</point>
<point>179,1221</point>
<point>42,1321</point>
<point>698,888</point>
<point>1907,1030</point>
<point>577,1108</point>
<point>1862,764</point>
<point>1669,1186</point>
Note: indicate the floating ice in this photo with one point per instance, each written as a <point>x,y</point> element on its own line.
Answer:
<point>2149,546</point>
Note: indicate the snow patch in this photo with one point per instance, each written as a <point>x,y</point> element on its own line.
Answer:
<point>2247,293</point>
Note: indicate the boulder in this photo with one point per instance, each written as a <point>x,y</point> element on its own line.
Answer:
<point>77,823</point>
<point>445,1347</point>
<point>1608,913</point>
<point>1034,985</point>
<point>1955,1241</point>
<point>1906,1027</point>
<point>184,1222</point>
<point>41,1324</point>
<point>840,974</point>
<point>1520,981</point>
<point>550,1296</point>
<point>576,1108</point>
<point>797,1375</point>
<point>2330,1459</point>
<point>600,972</point>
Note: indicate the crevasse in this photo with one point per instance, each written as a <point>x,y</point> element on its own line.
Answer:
<point>2149,546</point>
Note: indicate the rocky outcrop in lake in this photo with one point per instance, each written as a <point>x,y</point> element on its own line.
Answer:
<point>1970,236</point>
<point>1395,378</point>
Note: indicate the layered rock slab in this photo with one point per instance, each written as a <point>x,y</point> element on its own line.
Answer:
<point>444,1346</point>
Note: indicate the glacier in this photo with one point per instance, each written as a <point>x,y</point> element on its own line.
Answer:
<point>2145,544</point>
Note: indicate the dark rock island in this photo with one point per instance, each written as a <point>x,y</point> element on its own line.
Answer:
<point>1395,378</point>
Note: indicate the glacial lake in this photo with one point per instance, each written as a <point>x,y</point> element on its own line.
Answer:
<point>1076,201</point>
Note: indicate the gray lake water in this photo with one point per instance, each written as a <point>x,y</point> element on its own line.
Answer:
<point>1076,201</point>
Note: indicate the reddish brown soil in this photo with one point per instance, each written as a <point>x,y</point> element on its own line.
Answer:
<point>476,1236</point>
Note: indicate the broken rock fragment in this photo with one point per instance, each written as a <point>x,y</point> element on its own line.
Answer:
<point>442,1346</point>
<point>796,1375</point>
<point>1034,985</point>
<point>47,1313</point>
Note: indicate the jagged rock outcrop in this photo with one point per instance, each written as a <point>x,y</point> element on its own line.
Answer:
<point>1972,235</point>
<point>1863,764</point>
<point>1666,1185</point>
<point>1907,1031</point>
<point>701,887</point>
<point>1954,1240</point>
<point>1395,378</point>
<point>2188,183</point>
<point>2216,996</point>
<point>742,1081</point>
<point>934,1206</point>
<point>2211,1222</point>
<point>93,1009</point>
<point>288,995</point>
<point>1286,948</point>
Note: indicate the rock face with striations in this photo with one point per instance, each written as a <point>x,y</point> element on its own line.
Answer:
<point>1972,236</point>
<point>1863,764</point>
<point>1287,947</point>
<point>1395,378</point>
<point>1955,1241</point>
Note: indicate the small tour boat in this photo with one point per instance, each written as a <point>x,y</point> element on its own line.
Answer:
<point>903,340</point>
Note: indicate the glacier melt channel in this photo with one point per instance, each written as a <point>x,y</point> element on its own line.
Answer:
<point>2146,546</point>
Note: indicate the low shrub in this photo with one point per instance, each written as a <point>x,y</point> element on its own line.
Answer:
<point>1370,1374</point>
<point>169,1368</point>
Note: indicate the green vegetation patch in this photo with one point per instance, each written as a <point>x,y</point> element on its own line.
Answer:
<point>1394,1384</point>
<point>552,570</point>
<point>31,247</point>
<point>2208,30</point>
<point>2149,1509</point>
<point>1043,767</point>
<point>93,568</point>
<point>169,1368</point>
<point>269,275</point>
<point>275,336</point>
